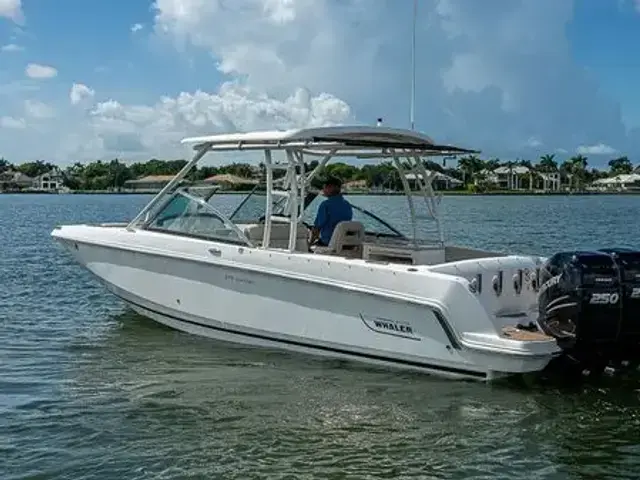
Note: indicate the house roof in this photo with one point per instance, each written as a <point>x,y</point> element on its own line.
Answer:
<point>622,178</point>
<point>231,179</point>
<point>439,176</point>
<point>517,169</point>
<point>12,176</point>
<point>152,179</point>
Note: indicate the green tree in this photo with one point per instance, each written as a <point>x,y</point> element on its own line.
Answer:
<point>33,169</point>
<point>547,164</point>
<point>471,166</point>
<point>620,165</point>
<point>5,165</point>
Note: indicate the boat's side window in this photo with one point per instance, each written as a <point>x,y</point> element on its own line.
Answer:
<point>186,215</point>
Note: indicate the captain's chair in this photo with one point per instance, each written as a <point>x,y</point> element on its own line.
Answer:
<point>346,241</point>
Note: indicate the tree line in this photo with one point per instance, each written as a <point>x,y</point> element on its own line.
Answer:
<point>471,170</point>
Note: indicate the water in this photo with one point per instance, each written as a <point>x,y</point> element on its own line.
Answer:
<point>89,390</point>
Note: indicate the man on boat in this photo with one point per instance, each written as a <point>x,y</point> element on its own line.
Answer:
<point>333,210</point>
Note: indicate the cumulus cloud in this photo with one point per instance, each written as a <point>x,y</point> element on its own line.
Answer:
<point>160,127</point>
<point>12,9</point>
<point>80,93</point>
<point>490,74</point>
<point>136,27</point>
<point>39,110</point>
<point>37,71</point>
<point>599,149</point>
<point>496,75</point>
<point>11,47</point>
<point>12,122</point>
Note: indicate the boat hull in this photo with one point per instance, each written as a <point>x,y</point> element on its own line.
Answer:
<point>232,303</point>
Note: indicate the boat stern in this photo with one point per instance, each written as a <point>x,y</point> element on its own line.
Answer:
<point>495,309</point>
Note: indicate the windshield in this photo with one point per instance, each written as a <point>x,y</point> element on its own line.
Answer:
<point>252,209</point>
<point>185,214</point>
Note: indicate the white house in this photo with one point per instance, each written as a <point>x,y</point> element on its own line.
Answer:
<point>441,181</point>
<point>52,180</point>
<point>509,178</point>
<point>629,181</point>
<point>551,181</point>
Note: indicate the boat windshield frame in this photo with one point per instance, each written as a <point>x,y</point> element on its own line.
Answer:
<point>405,148</point>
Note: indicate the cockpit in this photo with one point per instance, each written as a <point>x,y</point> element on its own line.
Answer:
<point>190,211</point>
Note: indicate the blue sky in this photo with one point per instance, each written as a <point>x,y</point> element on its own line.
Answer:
<point>515,78</point>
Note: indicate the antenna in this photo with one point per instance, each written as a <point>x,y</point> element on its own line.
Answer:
<point>413,65</point>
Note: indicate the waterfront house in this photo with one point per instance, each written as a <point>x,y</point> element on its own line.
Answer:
<point>509,178</point>
<point>50,181</point>
<point>441,182</point>
<point>551,182</point>
<point>149,183</point>
<point>12,180</point>
<point>226,180</point>
<point>355,186</point>
<point>622,182</point>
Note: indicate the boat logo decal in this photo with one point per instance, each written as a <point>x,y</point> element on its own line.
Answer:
<point>390,327</point>
<point>549,283</point>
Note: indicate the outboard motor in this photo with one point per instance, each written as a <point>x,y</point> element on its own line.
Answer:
<point>628,263</point>
<point>580,304</point>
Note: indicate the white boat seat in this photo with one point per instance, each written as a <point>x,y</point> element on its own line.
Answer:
<point>346,241</point>
<point>279,235</point>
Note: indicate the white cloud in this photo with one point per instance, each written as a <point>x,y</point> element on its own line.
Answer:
<point>136,27</point>
<point>35,70</point>
<point>12,9</point>
<point>599,149</point>
<point>490,74</point>
<point>80,93</point>
<point>11,47</point>
<point>158,128</point>
<point>12,122</point>
<point>497,76</point>
<point>533,142</point>
<point>39,110</point>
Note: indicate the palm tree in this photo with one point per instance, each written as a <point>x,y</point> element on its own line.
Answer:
<point>548,164</point>
<point>470,165</point>
<point>575,168</point>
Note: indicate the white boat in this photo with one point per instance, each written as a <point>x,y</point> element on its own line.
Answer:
<point>375,294</point>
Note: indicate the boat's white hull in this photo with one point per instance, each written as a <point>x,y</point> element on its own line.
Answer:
<point>232,303</point>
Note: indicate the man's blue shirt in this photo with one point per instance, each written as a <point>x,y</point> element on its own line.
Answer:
<point>333,210</point>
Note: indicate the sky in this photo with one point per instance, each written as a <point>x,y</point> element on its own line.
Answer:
<point>81,81</point>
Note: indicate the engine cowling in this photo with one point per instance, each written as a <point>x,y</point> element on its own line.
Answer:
<point>590,302</point>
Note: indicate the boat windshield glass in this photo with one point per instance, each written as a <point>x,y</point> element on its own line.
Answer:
<point>190,215</point>
<point>373,225</point>
<point>253,207</point>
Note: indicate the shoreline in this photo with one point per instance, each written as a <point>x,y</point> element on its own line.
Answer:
<point>447,193</point>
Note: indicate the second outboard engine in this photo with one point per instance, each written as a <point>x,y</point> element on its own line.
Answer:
<point>628,263</point>
<point>580,304</point>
